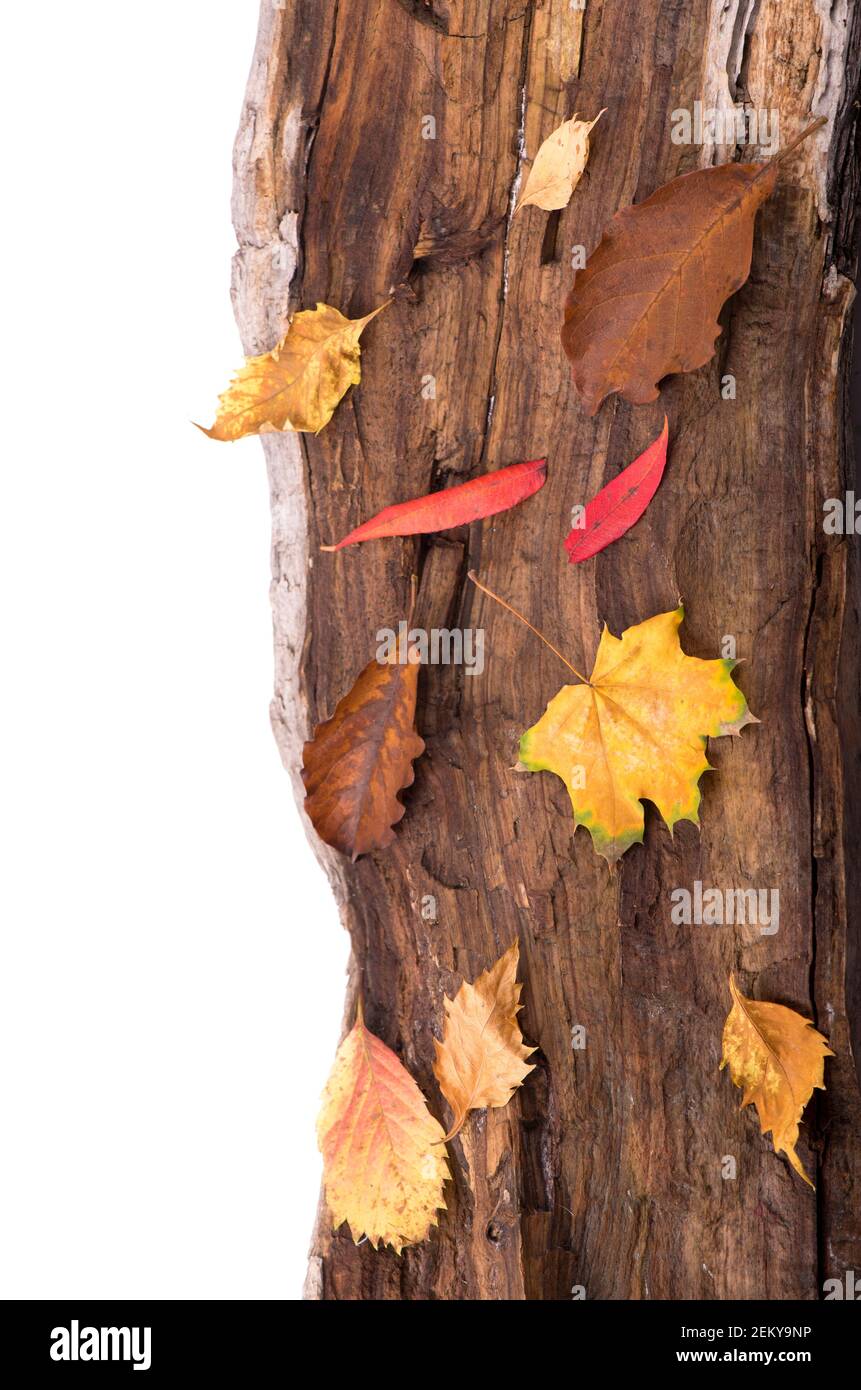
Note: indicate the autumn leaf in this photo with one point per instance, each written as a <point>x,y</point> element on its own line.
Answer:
<point>647,302</point>
<point>778,1059</point>
<point>617,506</point>
<point>453,506</point>
<point>481,1060</point>
<point>299,383</point>
<point>558,165</point>
<point>360,759</point>
<point>636,730</point>
<point>384,1161</point>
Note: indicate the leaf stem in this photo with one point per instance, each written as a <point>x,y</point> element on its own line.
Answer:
<point>501,601</point>
<point>793,144</point>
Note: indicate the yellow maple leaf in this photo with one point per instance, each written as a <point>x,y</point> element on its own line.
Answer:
<point>778,1058</point>
<point>384,1163</point>
<point>482,1060</point>
<point>299,383</point>
<point>558,165</point>
<point>637,729</point>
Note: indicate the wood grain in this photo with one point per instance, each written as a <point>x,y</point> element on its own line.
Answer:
<point>605,1169</point>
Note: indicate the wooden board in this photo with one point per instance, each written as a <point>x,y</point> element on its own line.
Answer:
<point>605,1172</point>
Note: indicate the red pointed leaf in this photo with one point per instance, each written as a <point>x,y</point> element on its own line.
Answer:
<point>622,502</point>
<point>454,506</point>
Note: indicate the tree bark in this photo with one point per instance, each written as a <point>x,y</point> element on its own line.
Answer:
<point>605,1170</point>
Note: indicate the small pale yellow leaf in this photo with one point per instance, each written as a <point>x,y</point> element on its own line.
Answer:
<point>558,165</point>
<point>482,1060</point>
<point>299,383</point>
<point>384,1161</point>
<point>778,1059</point>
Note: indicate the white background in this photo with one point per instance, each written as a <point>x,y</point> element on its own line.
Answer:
<point>172,966</point>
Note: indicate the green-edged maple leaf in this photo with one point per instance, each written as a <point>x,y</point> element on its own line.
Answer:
<point>636,730</point>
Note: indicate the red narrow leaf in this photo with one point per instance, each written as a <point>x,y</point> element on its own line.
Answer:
<point>454,506</point>
<point>618,505</point>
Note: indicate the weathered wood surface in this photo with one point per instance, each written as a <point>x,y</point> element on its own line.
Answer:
<point>605,1171</point>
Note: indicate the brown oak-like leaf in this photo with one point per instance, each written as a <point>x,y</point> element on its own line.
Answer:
<point>647,301</point>
<point>482,1060</point>
<point>360,759</point>
<point>778,1059</point>
<point>384,1161</point>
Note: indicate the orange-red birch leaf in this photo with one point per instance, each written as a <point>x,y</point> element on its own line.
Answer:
<point>482,1060</point>
<point>617,506</point>
<point>454,506</point>
<point>778,1059</point>
<point>384,1162</point>
<point>647,301</point>
<point>360,759</point>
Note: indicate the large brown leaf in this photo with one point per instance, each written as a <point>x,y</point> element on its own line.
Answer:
<point>647,301</point>
<point>360,759</point>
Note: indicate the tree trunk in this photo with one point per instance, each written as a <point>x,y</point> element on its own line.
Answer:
<point>605,1170</point>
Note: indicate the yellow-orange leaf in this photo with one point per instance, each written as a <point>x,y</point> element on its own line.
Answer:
<point>299,383</point>
<point>636,730</point>
<point>558,165</point>
<point>384,1161</point>
<point>482,1060</point>
<point>778,1059</point>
